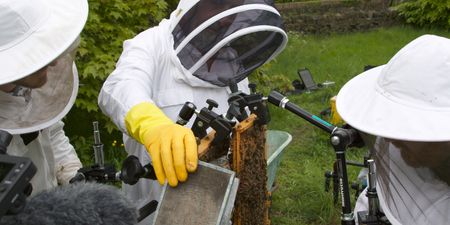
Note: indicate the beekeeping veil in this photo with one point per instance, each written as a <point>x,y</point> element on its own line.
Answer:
<point>222,42</point>
<point>35,34</point>
<point>402,110</point>
<point>412,179</point>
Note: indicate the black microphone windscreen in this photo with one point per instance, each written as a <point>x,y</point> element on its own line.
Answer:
<point>79,203</point>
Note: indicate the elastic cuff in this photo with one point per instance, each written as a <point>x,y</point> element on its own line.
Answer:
<point>143,117</point>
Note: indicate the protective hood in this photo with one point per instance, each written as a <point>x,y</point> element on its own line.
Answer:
<point>412,180</point>
<point>27,110</point>
<point>222,42</point>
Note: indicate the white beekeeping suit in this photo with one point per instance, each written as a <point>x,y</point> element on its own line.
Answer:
<point>38,40</point>
<point>402,110</point>
<point>194,55</point>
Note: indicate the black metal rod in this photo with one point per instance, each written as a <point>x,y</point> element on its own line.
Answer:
<point>282,101</point>
<point>99,156</point>
<point>347,212</point>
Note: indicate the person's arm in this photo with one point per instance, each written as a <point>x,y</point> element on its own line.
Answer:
<point>131,82</point>
<point>67,162</point>
<point>126,97</point>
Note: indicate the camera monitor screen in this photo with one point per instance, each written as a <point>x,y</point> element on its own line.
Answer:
<point>307,79</point>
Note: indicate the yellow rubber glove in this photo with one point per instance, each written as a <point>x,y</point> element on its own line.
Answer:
<point>172,147</point>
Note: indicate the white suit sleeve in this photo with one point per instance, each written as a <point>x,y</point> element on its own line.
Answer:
<point>130,83</point>
<point>67,162</point>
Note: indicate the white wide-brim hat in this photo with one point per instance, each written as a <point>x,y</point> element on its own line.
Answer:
<point>406,99</point>
<point>33,33</point>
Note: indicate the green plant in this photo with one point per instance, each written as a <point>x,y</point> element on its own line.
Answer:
<point>109,24</point>
<point>426,12</point>
<point>83,147</point>
<point>267,81</point>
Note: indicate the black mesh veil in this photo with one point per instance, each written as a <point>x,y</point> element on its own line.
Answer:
<point>223,41</point>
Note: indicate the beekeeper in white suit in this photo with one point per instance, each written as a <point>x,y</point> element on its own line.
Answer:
<point>194,55</point>
<point>403,112</point>
<point>39,82</point>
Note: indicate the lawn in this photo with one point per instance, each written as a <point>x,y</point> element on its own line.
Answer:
<point>300,197</point>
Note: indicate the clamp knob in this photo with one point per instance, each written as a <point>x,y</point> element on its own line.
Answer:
<point>211,104</point>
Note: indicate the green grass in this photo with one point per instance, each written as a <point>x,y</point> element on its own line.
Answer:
<point>300,197</point>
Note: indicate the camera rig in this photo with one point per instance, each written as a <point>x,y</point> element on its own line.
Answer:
<point>212,131</point>
<point>341,138</point>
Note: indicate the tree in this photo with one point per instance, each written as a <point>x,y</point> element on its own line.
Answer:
<point>426,12</point>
